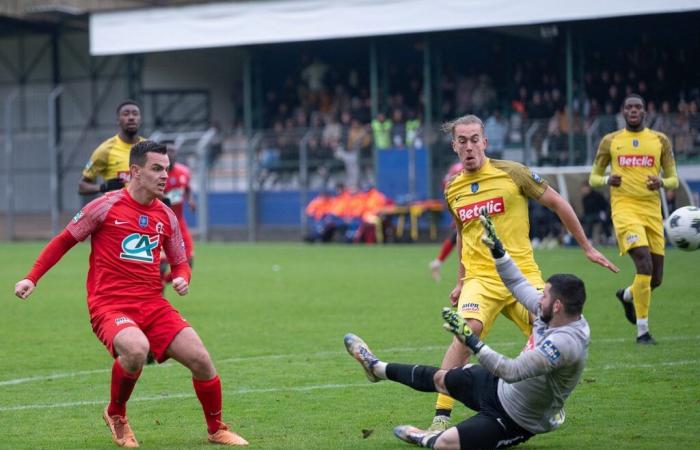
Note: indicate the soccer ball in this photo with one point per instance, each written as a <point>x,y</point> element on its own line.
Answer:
<point>683,228</point>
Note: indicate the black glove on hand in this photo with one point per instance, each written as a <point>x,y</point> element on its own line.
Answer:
<point>455,324</point>
<point>112,185</point>
<point>490,238</point>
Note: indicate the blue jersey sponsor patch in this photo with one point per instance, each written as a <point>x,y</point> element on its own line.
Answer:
<point>536,177</point>
<point>549,350</point>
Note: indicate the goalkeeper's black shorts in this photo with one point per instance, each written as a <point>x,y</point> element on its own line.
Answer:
<point>491,427</point>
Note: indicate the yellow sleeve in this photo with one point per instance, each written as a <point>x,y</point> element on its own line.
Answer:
<point>97,165</point>
<point>530,183</point>
<point>600,163</point>
<point>668,163</point>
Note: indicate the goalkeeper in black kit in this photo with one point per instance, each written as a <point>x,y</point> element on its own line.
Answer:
<point>514,398</point>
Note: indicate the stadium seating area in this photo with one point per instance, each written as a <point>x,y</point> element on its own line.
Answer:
<point>325,105</point>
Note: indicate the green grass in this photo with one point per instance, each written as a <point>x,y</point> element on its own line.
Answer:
<point>273,318</point>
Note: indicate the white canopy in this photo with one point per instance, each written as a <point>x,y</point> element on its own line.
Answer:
<point>274,21</point>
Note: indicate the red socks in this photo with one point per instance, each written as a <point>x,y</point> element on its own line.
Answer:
<point>122,385</point>
<point>209,395</point>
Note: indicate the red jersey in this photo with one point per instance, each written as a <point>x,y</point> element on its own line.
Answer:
<point>177,185</point>
<point>127,238</point>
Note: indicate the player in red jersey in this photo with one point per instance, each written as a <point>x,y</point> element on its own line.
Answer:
<point>178,192</point>
<point>128,229</point>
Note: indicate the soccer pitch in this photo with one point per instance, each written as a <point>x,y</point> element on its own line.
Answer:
<point>273,317</point>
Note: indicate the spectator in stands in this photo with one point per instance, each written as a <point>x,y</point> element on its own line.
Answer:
<point>414,130</point>
<point>398,130</point>
<point>596,211</point>
<point>496,129</point>
<point>381,132</point>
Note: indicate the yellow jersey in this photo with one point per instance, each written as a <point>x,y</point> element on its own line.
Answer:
<point>634,156</point>
<point>503,189</point>
<point>110,160</point>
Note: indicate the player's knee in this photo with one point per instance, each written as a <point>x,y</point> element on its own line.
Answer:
<point>448,440</point>
<point>476,326</point>
<point>439,380</point>
<point>656,281</point>
<point>135,354</point>
<point>201,365</point>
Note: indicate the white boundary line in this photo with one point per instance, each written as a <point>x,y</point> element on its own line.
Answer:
<point>322,354</point>
<point>244,391</point>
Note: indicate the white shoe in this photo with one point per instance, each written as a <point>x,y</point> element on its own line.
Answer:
<point>435,266</point>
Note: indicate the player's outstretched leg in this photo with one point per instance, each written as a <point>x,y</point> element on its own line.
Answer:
<point>122,435</point>
<point>361,352</point>
<point>413,435</point>
<point>627,305</point>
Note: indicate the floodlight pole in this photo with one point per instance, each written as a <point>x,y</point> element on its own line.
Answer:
<point>55,193</point>
<point>570,92</point>
<point>9,157</point>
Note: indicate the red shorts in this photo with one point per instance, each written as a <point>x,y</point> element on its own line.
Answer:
<point>158,320</point>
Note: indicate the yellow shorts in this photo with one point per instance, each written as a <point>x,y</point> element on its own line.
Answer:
<point>633,231</point>
<point>483,299</point>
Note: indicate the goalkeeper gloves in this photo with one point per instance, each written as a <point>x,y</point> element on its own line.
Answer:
<point>490,238</point>
<point>455,324</point>
<point>112,185</point>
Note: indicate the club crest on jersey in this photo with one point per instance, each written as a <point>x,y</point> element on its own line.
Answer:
<point>471,212</point>
<point>536,177</point>
<point>143,221</point>
<point>549,350</point>
<point>635,143</point>
<point>139,247</point>
<point>475,187</point>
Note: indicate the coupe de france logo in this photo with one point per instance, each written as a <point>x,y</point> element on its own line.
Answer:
<point>139,247</point>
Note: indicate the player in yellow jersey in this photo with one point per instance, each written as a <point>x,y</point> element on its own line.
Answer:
<point>637,155</point>
<point>110,161</point>
<point>502,189</point>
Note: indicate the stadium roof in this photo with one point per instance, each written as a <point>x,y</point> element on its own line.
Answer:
<point>276,21</point>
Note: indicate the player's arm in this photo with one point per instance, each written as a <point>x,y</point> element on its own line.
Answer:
<point>510,274</point>
<point>189,198</point>
<point>49,256</point>
<point>668,164</point>
<point>527,365</point>
<point>546,357</point>
<point>86,186</point>
<point>597,178</point>
<point>174,248</point>
<point>95,167</point>
<point>552,200</point>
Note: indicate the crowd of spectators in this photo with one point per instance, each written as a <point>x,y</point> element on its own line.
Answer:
<point>328,108</point>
